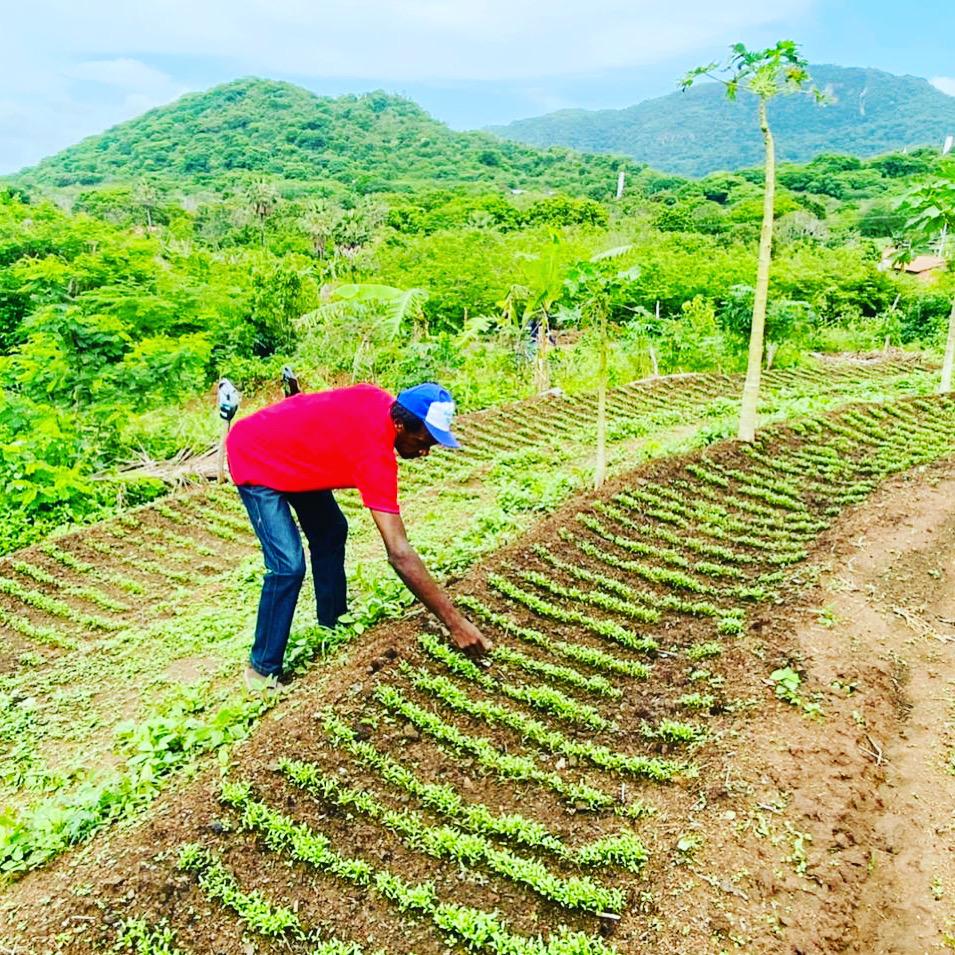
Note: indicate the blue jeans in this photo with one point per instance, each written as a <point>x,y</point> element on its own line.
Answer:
<point>325,529</point>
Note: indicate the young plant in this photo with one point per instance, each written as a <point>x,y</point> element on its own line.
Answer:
<point>540,735</point>
<point>540,697</point>
<point>475,929</point>
<point>580,653</point>
<point>506,766</point>
<point>466,849</point>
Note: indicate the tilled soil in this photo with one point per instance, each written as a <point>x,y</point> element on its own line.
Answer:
<point>798,834</point>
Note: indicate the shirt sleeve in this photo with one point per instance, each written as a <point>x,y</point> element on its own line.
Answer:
<point>377,484</point>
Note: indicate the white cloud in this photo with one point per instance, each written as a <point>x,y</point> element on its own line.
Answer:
<point>402,39</point>
<point>944,83</point>
<point>125,73</point>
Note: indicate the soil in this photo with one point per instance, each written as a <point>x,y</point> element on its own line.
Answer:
<point>872,784</point>
<point>814,835</point>
<point>801,835</point>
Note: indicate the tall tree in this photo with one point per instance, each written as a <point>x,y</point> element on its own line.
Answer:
<point>262,198</point>
<point>146,196</point>
<point>776,71</point>
<point>319,222</point>
<point>930,222</point>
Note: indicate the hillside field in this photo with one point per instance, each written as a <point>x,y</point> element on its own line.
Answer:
<point>599,787</point>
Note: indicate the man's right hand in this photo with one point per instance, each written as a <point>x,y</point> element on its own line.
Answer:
<point>469,640</point>
<point>407,565</point>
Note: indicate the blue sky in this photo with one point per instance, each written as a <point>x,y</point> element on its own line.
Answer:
<point>70,69</point>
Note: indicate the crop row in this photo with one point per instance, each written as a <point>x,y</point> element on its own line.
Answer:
<point>468,849</point>
<point>474,928</point>
<point>636,586</point>
<point>180,540</point>
<point>538,734</point>
<point>622,850</point>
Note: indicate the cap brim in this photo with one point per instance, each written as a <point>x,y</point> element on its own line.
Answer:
<point>442,437</point>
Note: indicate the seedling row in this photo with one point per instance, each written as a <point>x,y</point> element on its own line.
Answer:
<point>604,694</point>
<point>582,618</point>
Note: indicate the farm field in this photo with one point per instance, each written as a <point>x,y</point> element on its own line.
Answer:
<point>606,785</point>
<point>122,644</point>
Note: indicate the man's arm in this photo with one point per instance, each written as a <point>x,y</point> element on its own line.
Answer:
<point>410,568</point>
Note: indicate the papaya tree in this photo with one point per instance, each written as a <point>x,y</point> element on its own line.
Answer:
<point>766,74</point>
<point>544,276</point>
<point>594,291</point>
<point>930,219</point>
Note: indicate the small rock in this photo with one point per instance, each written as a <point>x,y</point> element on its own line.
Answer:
<point>410,731</point>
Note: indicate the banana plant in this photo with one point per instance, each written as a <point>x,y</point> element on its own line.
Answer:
<point>378,311</point>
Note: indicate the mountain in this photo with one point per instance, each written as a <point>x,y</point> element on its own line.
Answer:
<point>374,142</point>
<point>700,131</point>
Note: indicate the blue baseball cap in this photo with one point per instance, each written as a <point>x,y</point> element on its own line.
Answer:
<point>435,407</point>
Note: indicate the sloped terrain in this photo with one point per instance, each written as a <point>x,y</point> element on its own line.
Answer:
<point>561,800</point>
<point>122,644</point>
<point>371,142</point>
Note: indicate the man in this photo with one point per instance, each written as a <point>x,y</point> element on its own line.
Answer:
<point>290,456</point>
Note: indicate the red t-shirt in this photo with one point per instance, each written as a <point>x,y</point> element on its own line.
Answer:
<point>318,442</point>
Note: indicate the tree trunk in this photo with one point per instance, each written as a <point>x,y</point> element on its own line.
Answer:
<point>600,468</point>
<point>541,367</point>
<point>654,363</point>
<point>946,383</point>
<point>747,413</point>
<point>771,349</point>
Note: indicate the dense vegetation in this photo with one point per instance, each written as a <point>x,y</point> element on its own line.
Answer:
<point>117,315</point>
<point>370,143</point>
<point>697,132</point>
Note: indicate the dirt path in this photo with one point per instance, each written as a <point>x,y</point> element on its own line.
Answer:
<point>901,590</point>
<point>842,836</point>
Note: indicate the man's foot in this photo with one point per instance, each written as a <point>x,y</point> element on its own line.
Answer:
<point>256,682</point>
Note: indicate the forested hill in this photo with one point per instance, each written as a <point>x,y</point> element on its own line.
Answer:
<point>699,131</point>
<point>370,143</point>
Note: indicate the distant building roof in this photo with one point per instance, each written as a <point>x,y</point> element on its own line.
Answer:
<point>924,263</point>
<point>921,265</point>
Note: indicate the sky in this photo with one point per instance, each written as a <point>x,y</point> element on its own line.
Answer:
<point>72,69</point>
